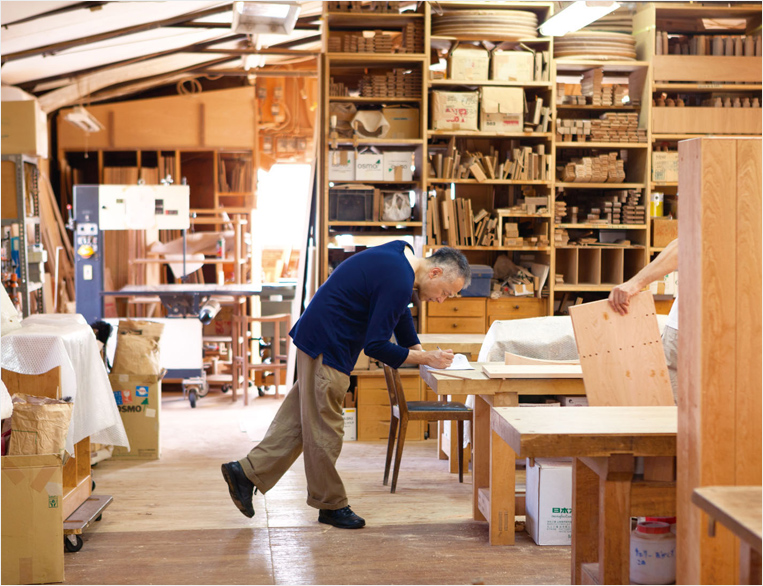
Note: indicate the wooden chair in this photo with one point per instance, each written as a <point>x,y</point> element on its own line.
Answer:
<point>402,411</point>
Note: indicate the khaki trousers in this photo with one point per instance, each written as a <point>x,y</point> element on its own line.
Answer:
<point>310,420</point>
<point>670,346</point>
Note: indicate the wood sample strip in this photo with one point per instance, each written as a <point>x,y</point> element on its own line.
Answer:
<point>532,371</point>
<point>621,356</point>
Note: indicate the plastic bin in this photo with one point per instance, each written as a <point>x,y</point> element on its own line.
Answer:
<point>480,285</point>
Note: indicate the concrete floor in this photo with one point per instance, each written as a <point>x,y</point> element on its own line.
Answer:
<point>172,521</point>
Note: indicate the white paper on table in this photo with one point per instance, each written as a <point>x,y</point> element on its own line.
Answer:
<point>460,362</point>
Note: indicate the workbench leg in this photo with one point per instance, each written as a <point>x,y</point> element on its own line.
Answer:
<point>614,520</point>
<point>749,564</point>
<point>481,455</point>
<point>502,485</point>
<point>453,464</point>
<point>585,518</point>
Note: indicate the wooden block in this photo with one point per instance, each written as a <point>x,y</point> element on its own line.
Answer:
<point>622,356</point>
<point>477,172</point>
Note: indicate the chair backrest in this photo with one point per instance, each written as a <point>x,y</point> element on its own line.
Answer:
<point>395,390</point>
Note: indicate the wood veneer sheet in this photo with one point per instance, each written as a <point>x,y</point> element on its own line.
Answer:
<point>621,355</point>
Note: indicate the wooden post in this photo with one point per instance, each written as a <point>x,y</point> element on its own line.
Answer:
<point>719,395</point>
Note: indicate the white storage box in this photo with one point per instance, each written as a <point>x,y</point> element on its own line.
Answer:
<point>341,165</point>
<point>548,501</point>
<point>350,415</point>
<point>397,166</point>
<point>369,166</point>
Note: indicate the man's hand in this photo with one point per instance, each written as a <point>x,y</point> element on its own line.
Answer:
<point>620,296</point>
<point>440,358</point>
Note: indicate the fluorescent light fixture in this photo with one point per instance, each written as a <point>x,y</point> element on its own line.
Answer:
<point>83,119</point>
<point>272,18</point>
<point>576,16</point>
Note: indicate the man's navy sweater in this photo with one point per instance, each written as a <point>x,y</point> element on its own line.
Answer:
<point>358,308</point>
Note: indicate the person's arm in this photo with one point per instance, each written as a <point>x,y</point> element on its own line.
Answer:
<point>665,263</point>
<point>434,358</point>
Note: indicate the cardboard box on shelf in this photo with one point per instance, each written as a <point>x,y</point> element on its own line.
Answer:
<point>139,399</point>
<point>664,231</point>
<point>502,109</point>
<point>454,110</point>
<point>468,63</point>
<point>369,166</point>
<point>548,501</point>
<point>341,165</point>
<point>32,519</point>
<point>222,325</point>
<point>665,166</point>
<point>512,66</point>
<point>403,122</point>
<point>397,166</point>
<point>24,129</point>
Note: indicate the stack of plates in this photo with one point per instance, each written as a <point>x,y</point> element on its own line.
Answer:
<point>486,25</point>
<point>595,45</point>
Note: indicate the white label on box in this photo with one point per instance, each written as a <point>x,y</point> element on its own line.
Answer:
<point>397,166</point>
<point>369,167</point>
<point>341,165</point>
<point>150,412</point>
<point>350,415</point>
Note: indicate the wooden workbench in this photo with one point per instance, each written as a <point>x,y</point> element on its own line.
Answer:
<point>492,393</point>
<point>739,509</point>
<point>604,441</point>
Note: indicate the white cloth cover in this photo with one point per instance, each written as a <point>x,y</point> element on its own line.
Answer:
<point>11,320</point>
<point>6,404</point>
<point>65,340</point>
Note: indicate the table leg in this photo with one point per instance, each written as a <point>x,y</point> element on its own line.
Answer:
<point>614,519</point>
<point>481,453</point>
<point>585,517</point>
<point>749,564</point>
<point>453,464</point>
<point>502,485</point>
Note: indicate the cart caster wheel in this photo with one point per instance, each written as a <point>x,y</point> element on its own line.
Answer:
<point>92,486</point>
<point>226,388</point>
<point>261,391</point>
<point>99,517</point>
<point>73,543</point>
<point>192,398</point>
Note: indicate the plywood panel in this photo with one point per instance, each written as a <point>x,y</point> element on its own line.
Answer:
<point>696,68</point>
<point>532,370</point>
<point>707,350</point>
<point>701,120</point>
<point>144,123</point>
<point>621,356</point>
<point>229,119</point>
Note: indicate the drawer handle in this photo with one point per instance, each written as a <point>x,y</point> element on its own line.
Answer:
<point>454,326</point>
<point>455,309</point>
<point>516,307</point>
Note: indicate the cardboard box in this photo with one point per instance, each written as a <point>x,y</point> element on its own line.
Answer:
<point>369,166</point>
<point>350,415</point>
<point>24,128</point>
<point>468,63</point>
<point>572,401</point>
<point>664,231</point>
<point>32,519</point>
<point>454,110</point>
<point>397,165</point>
<point>139,399</point>
<point>403,122</point>
<point>512,66</point>
<point>502,109</point>
<point>548,501</point>
<point>341,165</point>
<point>665,166</point>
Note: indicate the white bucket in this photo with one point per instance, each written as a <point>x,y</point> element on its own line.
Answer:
<point>653,554</point>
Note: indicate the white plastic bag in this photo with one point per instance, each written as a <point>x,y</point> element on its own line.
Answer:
<point>397,207</point>
<point>11,320</point>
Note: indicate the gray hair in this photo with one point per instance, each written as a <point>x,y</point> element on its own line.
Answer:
<point>453,264</point>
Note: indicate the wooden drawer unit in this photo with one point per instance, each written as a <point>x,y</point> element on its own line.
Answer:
<point>373,405</point>
<point>459,316</point>
<point>515,308</point>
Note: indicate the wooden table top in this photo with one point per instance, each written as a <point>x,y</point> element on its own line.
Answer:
<point>459,343</point>
<point>587,431</point>
<point>476,382</point>
<point>736,507</point>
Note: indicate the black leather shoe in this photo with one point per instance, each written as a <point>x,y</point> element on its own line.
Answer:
<point>241,488</point>
<point>342,518</point>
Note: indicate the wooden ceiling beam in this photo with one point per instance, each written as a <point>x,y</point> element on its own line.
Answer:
<point>70,8</point>
<point>56,47</point>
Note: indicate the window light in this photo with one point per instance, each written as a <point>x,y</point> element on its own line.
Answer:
<point>576,16</point>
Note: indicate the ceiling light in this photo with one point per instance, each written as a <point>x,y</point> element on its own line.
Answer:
<point>273,18</point>
<point>576,16</point>
<point>83,119</point>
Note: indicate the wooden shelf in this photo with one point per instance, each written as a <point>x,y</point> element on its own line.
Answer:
<point>597,108</point>
<point>601,226</point>
<point>479,134</point>
<point>602,145</point>
<point>600,185</point>
<point>494,248</point>
<point>378,224</point>
<point>365,100</point>
<point>582,287</point>
<point>663,183</point>
<point>361,182</point>
<point>379,141</point>
<point>658,137</point>
<point>581,65</point>
<point>594,247</point>
<point>707,87</point>
<point>532,40</point>
<point>452,82</point>
<point>374,58</point>
<point>489,181</point>
<point>372,20</point>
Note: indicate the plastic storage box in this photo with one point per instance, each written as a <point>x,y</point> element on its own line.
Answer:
<point>480,285</point>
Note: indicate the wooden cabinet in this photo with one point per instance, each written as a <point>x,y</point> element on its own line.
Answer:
<point>373,404</point>
<point>514,308</point>
<point>463,315</point>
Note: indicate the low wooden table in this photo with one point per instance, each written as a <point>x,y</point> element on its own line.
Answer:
<point>739,509</point>
<point>492,393</point>
<point>604,442</point>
